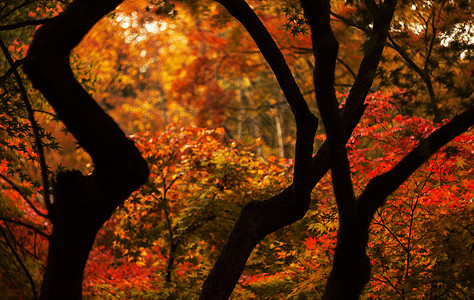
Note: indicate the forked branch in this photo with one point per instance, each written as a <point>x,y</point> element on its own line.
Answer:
<point>260,218</point>
<point>380,187</point>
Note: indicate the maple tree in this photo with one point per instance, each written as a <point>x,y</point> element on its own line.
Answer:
<point>404,235</point>
<point>432,40</point>
<point>174,225</point>
<point>25,142</point>
<point>210,75</point>
<point>409,236</point>
<point>81,204</point>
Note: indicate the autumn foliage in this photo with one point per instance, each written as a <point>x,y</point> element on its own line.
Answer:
<point>163,240</point>
<point>198,184</point>
<point>192,91</point>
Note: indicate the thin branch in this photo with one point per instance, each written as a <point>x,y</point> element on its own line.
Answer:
<point>22,194</point>
<point>423,73</point>
<point>46,113</point>
<point>25,23</point>
<point>16,8</point>
<point>301,50</point>
<point>22,264</point>
<point>433,38</point>
<point>405,56</point>
<point>385,226</point>
<point>31,227</point>
<point>240,10</point>
<point>172,245</point>
<point>10,71</point>
<point>34,127</point>
<point>348,68</point>
<point>389,282</point>
<point>350,23</point>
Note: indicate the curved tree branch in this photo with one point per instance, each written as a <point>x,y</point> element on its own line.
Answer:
<point>259,218</point>
<point>241,11</point>
<point>116,159</point>
<point>81,203</point>
<point>31,227</point>
<point>380,187</point>
<point>348,68</point>
<point>423,73</point>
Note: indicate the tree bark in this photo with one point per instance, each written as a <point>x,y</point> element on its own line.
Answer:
<point>260,218</point>
<point>351,267</point>
<point>81,203</point>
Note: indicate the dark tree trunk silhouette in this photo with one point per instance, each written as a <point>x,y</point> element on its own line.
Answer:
<point>81,203</point>
<point>351,268</point>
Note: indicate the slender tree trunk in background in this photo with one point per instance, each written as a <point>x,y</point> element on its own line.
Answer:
<point>432,96</point>
<point>164,109</point>
<point>279,131</point>
<point>257,131</point>
<point>81,203</point>
<point>240,115</point>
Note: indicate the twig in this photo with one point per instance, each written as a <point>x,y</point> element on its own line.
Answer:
<point>22,194</point>
<point>10,71</point>
<point>31,227</point>
<point>18,258</point>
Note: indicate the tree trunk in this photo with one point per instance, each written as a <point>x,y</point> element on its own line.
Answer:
<point>280,138</point>
<point>81,203</point>
<point>351,267</point>
<point>292,203</point>
<point>69,248</point>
